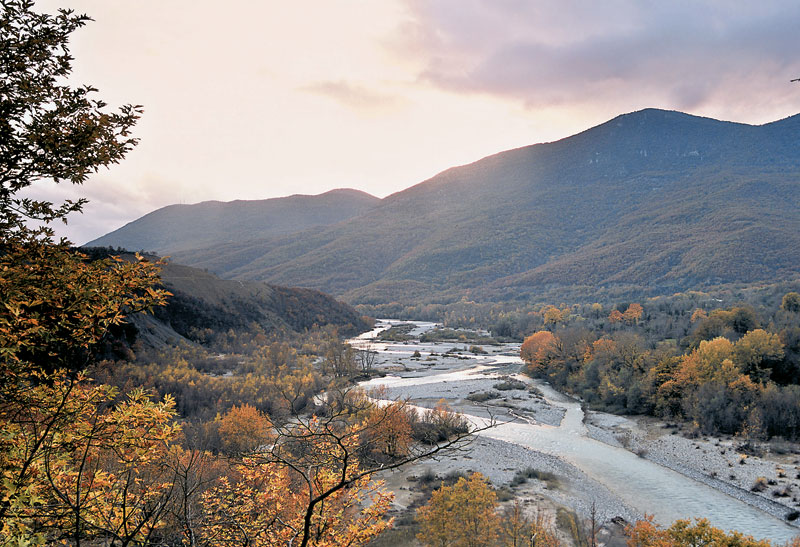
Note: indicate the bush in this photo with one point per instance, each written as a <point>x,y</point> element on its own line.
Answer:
<point>427,477</point>
<point>483,396</point>
<point>439,424</point>
<point>510,384</point>
<point>760,485</point>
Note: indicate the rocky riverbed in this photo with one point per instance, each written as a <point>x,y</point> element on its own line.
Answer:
<point>485,383</point>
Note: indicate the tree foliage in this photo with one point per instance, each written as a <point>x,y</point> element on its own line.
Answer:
<point>727,375</point>
<point>461,515</point>
<point>645,533</point>
<point>48,129</point>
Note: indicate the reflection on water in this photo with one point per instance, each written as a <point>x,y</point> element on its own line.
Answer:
<point>640,483</point>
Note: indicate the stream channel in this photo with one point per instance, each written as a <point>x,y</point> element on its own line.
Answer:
<point>642,484</point>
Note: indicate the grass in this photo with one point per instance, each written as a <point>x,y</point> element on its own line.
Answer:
<point>523,475</point>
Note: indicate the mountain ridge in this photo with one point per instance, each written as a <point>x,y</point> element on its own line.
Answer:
<point>652,200</point>
<point>184,226</point>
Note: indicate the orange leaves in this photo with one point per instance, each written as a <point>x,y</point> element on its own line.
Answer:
<point>313,493</point>
<point>645,533</point>
<point>94,469</point>
<point>243,429</point>
<point>631,315</point>
<point>615,316</point>
<point>386,432</point>
<point>57,304</point>
<point>537,347</point>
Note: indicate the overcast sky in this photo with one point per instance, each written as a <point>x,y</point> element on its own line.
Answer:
<point>259,99</point>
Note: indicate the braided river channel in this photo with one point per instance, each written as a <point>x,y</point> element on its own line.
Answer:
<point>643,485</point>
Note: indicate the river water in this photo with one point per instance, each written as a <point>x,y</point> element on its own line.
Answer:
<point>644,485</point>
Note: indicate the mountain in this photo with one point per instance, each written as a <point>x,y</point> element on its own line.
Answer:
<point>650,202</point>
<point>212,223</point>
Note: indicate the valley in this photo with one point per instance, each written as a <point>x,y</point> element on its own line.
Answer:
<point>626,467</point>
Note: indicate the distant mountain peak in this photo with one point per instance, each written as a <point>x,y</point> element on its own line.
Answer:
<point>209,223</point>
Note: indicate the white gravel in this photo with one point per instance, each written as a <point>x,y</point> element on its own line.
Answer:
<point>712,461</point>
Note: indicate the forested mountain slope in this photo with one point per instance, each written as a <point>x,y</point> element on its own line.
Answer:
<point>203,306</point>
<point>649,202</point>
<point>212,223</point>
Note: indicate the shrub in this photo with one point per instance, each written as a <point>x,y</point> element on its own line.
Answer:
<point>510,384</point>
<point>482,396</point>
<point>760,485</point>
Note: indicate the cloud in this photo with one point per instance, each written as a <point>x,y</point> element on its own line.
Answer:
<point>352,95</point>
<point>570,52</point>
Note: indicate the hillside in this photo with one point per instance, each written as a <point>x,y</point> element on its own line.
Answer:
<point>212,223</point>
<point>203,305</point>
<point>650,202</point>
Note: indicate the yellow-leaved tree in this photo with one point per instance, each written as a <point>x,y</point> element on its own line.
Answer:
<point>77,460</point>
<point>461,515</point>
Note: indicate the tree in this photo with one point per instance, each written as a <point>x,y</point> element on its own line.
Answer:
<point>49,130</point>
<point>791,302</point>
<point>633,313</point>
<point>340,359</point>
<point>518,529</point>
<point>243,429</point>
<point>366,356</point>
<point>311,486</point>
<point>72,453</point>
<point>538,347</point>
<point>615,316</point>
<point>462,515</point>
<point>757,352</point>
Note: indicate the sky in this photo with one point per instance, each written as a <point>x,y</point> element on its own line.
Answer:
<point>262,99</point>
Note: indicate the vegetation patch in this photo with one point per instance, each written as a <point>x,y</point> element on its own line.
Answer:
<point>524,475</point>
<point>510,384</point>
<point>483,396</point>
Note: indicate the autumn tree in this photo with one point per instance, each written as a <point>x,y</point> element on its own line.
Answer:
<point>72,454</point>
<point>340,359</point>
<point>791,302</point>
<point>520,529</point>
<point>538,348</point>
<point>757,352</point>
<point>645,533</point>
<point>310,486</point>
<point>633,313</point>
<point>243,429</point>
<point>615,316</point>
<point>552,315</point>
<point>461,515</point>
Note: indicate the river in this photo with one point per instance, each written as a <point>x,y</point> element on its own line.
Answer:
<point>642,484</point>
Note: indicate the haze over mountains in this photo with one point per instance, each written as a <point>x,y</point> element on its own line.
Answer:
<point>179,227</point>
<point>649,202</point>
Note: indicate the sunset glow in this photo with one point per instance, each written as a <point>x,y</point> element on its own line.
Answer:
<point>267,99</point>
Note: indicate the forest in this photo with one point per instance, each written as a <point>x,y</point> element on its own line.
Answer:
<point>731,371</point>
